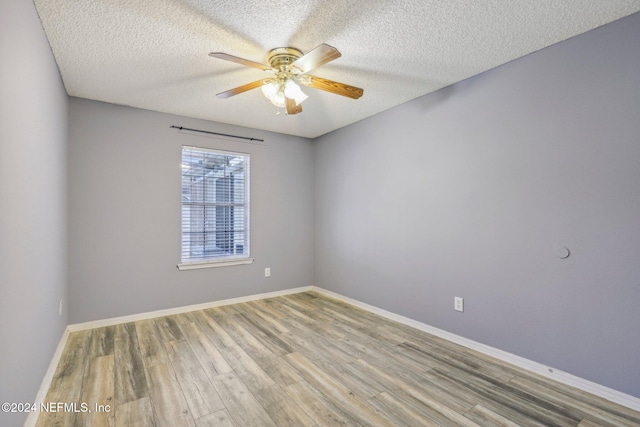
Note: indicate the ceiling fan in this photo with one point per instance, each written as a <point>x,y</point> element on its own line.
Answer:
<point>290,66</point>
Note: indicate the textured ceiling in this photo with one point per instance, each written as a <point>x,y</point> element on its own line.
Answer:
<point>154,54</point>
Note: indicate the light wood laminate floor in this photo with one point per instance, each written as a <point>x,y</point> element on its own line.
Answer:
<point>301,360</point>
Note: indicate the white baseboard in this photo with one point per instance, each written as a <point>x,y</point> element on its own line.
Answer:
<point>596,389</point>
<point>32,418</point>
<point>178,310</point>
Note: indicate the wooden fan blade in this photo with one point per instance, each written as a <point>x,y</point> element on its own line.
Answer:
<point>331,86</point>
<point>243,88</point>
<point>227,57</point>
<point>292,108</point>
<point>316,57</point>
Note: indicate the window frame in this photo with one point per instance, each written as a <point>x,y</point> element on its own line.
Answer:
<point>224,260</point>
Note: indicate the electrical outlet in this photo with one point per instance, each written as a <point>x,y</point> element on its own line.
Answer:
<point>267,272</point>
<point>60,308</point>
<point>458,304</point>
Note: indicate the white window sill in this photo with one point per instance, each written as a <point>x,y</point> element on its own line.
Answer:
<point>211,264</point>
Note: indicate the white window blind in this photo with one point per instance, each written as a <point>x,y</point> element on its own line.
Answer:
<point>215,206</point>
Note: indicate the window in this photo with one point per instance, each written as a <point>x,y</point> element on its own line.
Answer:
<point>215,208</point>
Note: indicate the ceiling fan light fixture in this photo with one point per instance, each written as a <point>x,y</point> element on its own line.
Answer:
<point>273,92</point>
<point>278,99</point>
<point>293,91</point>
<point>270,89</point>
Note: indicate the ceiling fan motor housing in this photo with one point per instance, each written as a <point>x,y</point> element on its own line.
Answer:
<point>283,56</point>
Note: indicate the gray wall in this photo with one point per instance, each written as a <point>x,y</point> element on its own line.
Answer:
<point>124,213</point>
<point>33,222</point>
<point>468,191</point>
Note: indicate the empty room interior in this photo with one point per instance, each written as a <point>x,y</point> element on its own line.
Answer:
<point>320,213</point>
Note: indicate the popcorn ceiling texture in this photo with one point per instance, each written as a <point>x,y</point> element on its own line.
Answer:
<point>154,54</point>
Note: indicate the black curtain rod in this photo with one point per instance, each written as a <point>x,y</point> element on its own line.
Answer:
<point>216,133</point>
